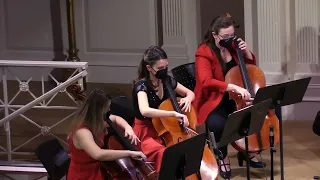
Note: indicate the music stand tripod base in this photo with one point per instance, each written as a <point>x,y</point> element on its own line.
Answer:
<point>243,123</point>
<point>283,94</point>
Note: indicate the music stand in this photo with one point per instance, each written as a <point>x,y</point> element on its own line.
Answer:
<point>283,94</point>
<point>243,123</point>
<point>182,159</point>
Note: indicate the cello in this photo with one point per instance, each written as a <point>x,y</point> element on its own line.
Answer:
<point>251,77</point>
<point>172,132</point>
<point>130,168</point>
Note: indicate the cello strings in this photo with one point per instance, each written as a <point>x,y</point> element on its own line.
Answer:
<point>149,162</point>
<point>189,130</point>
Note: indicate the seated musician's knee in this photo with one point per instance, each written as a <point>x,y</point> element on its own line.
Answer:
<point>215,122</point>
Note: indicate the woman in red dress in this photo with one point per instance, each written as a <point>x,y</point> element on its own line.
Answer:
<point>212,103</point>
<point>148,93</point>
<point>87,139</point>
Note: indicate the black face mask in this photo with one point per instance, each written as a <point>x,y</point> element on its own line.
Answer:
<point>227,43</point>
<point>162,74</point>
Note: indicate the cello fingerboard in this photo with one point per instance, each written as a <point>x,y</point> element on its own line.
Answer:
<point>173,98</point>
<point>124,142</point>
<point>244,72</point>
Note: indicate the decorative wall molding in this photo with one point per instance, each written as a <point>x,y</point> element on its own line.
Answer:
<point>191,27</point>
<point>106,31</point>
<point>18,37</point>
<point>181,26</point>
<point>115,40</point>
<point>307,25</point>
<point>172,18</point>
<point>268,31</point>
<point>249,23</point>
<point>173,35</point>
<point>111,36</point>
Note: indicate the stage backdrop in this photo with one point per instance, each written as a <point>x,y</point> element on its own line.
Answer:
<point>112,35</point>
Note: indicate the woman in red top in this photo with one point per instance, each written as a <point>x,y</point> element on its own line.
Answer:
<point>147,94</point>
<point>87,136</point>
<point>212,101</point>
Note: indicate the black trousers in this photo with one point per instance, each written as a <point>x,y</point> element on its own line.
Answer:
<point>217,118</point>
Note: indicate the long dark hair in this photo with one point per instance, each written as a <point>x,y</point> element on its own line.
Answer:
<point>150,57</point>
<point>91,114</point>
<point>218,23</point>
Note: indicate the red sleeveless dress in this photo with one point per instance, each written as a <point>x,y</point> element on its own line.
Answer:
<point>84,167</point>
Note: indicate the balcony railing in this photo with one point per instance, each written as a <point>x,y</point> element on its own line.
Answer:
<point>12,111</point>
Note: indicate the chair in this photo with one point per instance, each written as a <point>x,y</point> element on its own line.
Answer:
<point>121,106</point>
<point>185,75</point>
<point>316,124</point>
<point>54,158</point>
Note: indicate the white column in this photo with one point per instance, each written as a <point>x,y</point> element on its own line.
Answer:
<point>306,35</point>
<point>307,38</point>
<point>265,33</point>
<point>192,26</point>
<point>180,30</point>
<point>270,40</point>
<point>248,24</point>
<point>284,36</point>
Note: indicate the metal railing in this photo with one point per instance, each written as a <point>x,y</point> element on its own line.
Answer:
<point>40,102</point>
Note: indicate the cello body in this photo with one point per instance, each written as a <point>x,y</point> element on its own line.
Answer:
<point>171,131</point>
<point>252,79</point>
<point>130,168</point>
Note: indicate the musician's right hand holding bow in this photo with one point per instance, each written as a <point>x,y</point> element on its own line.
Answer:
<point>138,155</point>
<point>183,119</point>
<point>243,93</point>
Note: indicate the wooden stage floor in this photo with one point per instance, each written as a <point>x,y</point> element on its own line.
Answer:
<point>301,155</point>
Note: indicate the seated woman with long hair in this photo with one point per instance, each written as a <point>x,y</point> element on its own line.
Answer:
<point>87,139</point>
<point>212,101</point>
<point>147,94</point>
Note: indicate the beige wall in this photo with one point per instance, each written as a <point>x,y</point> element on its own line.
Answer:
<point>212,8</point>
<point>112,35</point>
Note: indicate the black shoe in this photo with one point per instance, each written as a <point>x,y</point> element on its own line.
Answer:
<point>224,174</point>
<point>253,164</point>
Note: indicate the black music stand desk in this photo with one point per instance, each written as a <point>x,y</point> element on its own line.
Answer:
<point>243,123</point>
<point>182,159</point>
<point>283,94</point>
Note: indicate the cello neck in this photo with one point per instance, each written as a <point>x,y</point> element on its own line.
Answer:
<point>125,143</point>
<point>244,71</point>
<point>173,98</point>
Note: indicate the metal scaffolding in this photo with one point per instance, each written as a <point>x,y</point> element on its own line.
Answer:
<point>41,102</point>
